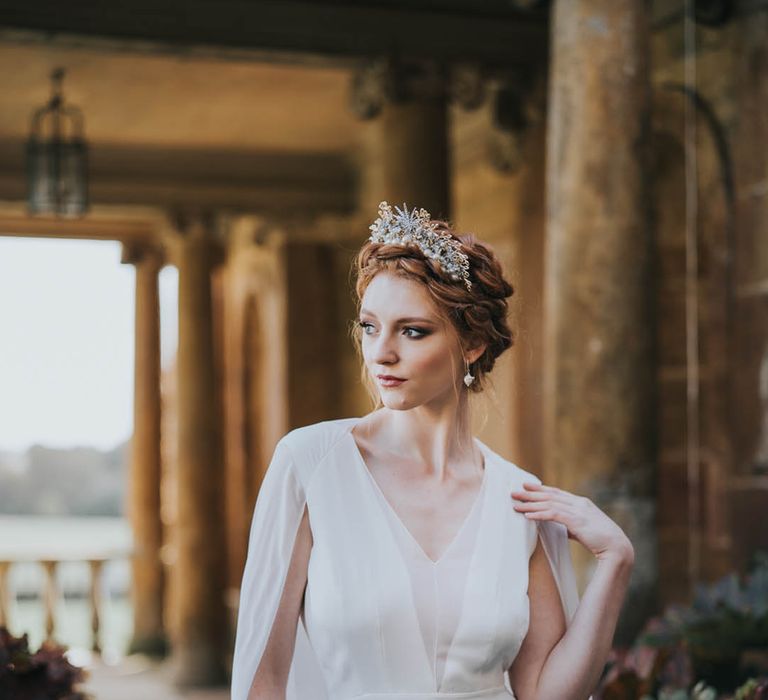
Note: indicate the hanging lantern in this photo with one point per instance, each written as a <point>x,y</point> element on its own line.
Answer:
<point>57,158</point>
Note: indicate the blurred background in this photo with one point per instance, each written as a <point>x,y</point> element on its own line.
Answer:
<point>183,187</point>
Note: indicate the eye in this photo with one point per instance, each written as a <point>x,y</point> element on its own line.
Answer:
<point>364,325</point>
<point>420,331</point>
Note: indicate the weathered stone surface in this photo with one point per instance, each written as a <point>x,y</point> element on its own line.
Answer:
<point>405,156</point>
<point>200,645</point>
<point>598,372</point>
<point>145,467</point>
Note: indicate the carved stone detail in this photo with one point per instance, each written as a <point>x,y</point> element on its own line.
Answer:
<point>468,86</point>
<point>504,150</point>
<point>517,104</point>
<point>394,81</point>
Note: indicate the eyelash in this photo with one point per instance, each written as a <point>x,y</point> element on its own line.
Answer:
<point>364,325</point>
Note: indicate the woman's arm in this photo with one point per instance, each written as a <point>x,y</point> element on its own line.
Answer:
<point>560,663</point>
<point>271,677</point>
<point>546,626</point>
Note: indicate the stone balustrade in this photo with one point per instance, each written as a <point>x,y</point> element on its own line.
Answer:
<point>51,592</point>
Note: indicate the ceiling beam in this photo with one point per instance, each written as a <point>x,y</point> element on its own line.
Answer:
<point>490,32</point>
<point>267,182</point>
<point>18,224</point>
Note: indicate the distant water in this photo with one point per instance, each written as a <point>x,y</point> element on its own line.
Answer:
<point>79,538</point>
<point>73,540</point>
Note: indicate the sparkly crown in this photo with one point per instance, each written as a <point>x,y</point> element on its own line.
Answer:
<point>403,227</point>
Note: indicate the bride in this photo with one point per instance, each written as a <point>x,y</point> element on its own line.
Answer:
<point>394,555</point>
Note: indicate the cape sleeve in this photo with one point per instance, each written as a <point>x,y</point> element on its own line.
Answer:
<point>554,541</point>
<point>276,518</point>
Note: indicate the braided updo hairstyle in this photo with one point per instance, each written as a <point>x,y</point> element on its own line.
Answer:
<point>478,315</point>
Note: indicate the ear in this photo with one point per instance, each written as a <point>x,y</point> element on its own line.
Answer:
<point>475,353</point>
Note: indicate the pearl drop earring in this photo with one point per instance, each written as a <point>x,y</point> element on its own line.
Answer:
<point>468,378</point>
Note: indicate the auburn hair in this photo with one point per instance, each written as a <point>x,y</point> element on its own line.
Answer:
<point>478,315</point>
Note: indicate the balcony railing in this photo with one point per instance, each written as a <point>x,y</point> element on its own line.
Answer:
<point>51,593</point>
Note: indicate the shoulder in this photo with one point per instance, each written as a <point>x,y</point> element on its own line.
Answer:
<point>310,444</point>
<point>514,477</point>
<point>514,474</point>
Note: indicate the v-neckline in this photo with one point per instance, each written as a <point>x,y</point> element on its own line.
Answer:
<point>399,520</point>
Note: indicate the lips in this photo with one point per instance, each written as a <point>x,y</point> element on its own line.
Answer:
<point>387,380</point>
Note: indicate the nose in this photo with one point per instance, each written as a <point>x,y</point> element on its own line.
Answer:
<point>384,351</point>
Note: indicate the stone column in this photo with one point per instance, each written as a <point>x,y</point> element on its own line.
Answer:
<point>202,622</point>
<point>415,154</point>
<point>748,400</point>
<point>145,464</point>
<point>407,151</point>
<point>314,384</point>
<point>599,367</point>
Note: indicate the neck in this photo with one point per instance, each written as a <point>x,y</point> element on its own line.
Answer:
<point>441,439</point>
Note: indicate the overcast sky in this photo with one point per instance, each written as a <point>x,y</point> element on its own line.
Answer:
<point>66,342</point>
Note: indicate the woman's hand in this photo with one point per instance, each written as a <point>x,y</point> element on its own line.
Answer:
<point>586,523</point>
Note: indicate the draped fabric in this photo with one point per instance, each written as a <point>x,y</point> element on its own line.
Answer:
<point>381,619</point>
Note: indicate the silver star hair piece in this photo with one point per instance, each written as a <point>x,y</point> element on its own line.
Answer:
<point>403,227</point>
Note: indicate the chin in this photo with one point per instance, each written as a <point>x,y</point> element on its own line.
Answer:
<point>397,403</point>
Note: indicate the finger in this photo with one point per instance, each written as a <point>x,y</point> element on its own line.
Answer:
<point>539,496</point>
<point>533,486</point>
<point>532,505</point>
<point>547,514</point>
<point>530,495</point>
<point>551,514</point>
<point>540,487</point>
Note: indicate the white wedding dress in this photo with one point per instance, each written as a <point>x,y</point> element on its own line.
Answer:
<point>381,620</point>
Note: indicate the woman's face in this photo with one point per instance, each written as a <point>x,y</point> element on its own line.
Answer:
<point>403,337</point>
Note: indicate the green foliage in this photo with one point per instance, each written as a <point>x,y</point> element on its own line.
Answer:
<point>724,618</point>
<point>720,640</point>
<point>753,689</point>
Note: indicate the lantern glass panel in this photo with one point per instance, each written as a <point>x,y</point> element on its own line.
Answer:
<point>57,176</point>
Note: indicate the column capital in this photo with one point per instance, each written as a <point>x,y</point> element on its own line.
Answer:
<point>197,227</point>
<point>386,80</point>
<point>517,104</point>
<point>190,223</point>
<point>133,253</point>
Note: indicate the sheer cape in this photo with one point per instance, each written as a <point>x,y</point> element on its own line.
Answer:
<point>278,512</point>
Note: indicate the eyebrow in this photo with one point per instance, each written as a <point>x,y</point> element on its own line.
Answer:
<point>406,319</point>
